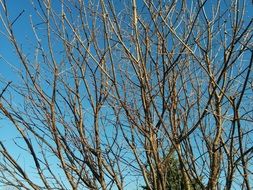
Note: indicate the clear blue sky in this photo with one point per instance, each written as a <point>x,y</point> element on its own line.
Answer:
<point>10,62</point>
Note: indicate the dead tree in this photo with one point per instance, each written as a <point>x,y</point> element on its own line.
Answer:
<point>116,92</point>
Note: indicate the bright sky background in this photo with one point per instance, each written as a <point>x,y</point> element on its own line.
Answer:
<point>9,62</point>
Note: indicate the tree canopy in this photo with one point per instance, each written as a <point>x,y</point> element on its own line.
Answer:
<point>107,94</point>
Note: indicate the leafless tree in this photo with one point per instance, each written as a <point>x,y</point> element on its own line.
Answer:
<point>110,92</point>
